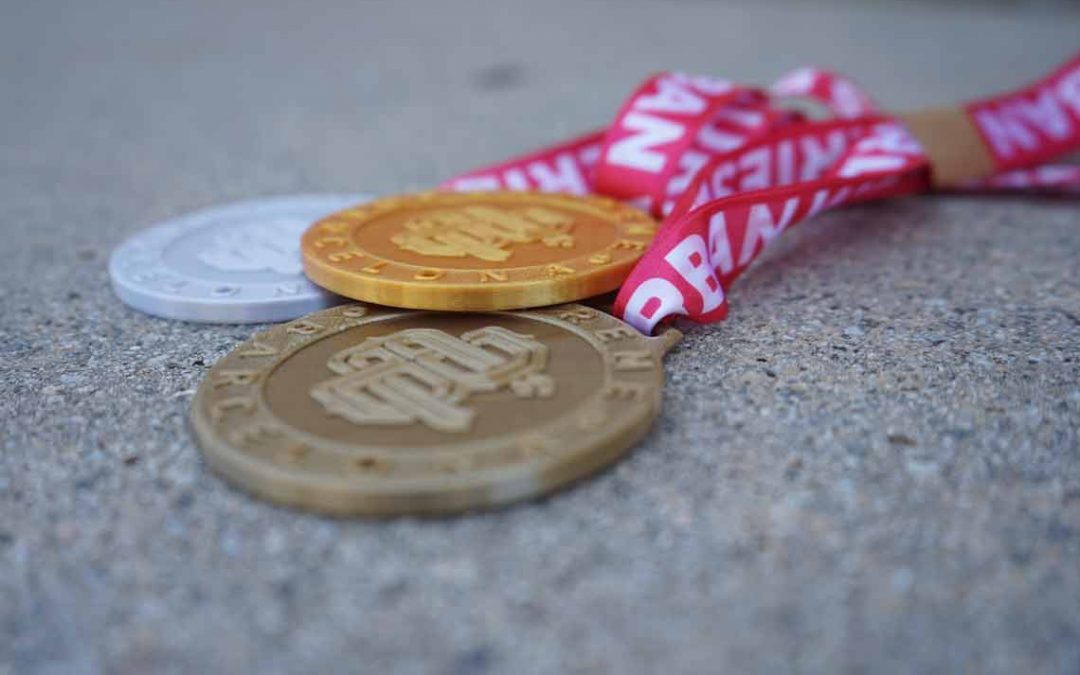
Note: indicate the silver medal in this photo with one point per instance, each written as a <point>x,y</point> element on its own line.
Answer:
<point>237,263</point>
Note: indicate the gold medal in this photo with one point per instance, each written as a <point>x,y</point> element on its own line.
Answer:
<point>477,251</point>
<point>377,411</point>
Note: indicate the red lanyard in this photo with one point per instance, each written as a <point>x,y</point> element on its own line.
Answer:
<point>729,168</point>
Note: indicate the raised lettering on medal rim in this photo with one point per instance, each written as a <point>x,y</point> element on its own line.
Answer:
<point>243,378</point>
<point>641,230</point>
<point>429,275</point>
<point>629,245</point>
<point>334,226</point>
<point>221,408</point>
<point>303,327</point>
<point>354,311</point>
<point>257,349</point>
<point>323,242</point>
<point>253,433</point>
<point>616,333</point>
<point>576,315</point>
<point>342,256</point>
<point>634,359</point>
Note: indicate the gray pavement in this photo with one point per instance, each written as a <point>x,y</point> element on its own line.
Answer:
<point>873,466</point>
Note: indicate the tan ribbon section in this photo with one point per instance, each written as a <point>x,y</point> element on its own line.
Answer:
<point>953,144</point>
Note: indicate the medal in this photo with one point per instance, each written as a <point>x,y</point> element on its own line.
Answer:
<point>378,411</point>
<point>238,263</point>
<point>477,251</point>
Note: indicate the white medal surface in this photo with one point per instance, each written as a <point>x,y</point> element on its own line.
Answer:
<point>235,263</point>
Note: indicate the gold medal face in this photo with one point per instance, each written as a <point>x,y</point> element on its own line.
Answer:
<point>477,251</point>
<point>377,411</point>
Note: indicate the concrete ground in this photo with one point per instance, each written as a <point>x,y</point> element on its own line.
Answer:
<point>873,466</point>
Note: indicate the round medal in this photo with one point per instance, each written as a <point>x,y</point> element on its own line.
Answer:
<point>238,263</point>
<point>378,411</point>
<point>477,251</point>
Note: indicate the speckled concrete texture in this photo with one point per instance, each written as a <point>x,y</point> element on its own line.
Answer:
<point>873,466</point>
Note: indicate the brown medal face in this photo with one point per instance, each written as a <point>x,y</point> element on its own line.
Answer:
<point>477,251</point>
<point>376,411</point>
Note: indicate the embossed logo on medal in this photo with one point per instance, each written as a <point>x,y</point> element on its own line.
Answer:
<point>273,246</point>
<point>485,232</point>
<point>424,375</point>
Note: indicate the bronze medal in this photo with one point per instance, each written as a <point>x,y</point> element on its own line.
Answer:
<point>377,411</point>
